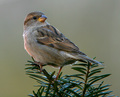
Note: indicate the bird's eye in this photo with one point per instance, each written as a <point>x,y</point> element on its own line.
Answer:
<point>34,17</point>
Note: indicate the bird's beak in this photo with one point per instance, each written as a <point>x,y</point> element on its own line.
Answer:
<point>42,18</point>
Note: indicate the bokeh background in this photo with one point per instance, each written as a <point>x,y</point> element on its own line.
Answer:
<point>93,25</point>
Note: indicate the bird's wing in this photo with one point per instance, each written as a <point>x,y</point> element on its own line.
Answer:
<point>50,36</point>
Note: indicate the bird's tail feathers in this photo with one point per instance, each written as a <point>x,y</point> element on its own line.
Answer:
<point>86,58</point>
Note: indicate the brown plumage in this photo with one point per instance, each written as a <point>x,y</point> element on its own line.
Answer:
<point>50,36</point>
<point>47,45</point>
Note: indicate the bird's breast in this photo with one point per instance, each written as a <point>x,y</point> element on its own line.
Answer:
<point>41,53</point>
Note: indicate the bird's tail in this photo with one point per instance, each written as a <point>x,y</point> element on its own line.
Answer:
<point>86,58</point>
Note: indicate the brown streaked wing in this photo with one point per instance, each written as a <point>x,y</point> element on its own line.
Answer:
<point>54,38</point>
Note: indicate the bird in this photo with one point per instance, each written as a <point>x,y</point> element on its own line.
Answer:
<point>47,45</point>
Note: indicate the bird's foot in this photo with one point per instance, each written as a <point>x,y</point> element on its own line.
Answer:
<point>40,65</point>
<point>58,73</point>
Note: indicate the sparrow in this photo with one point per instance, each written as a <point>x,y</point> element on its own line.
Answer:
<point>47,45</point>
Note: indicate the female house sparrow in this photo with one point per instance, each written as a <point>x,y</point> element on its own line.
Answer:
<point>47,45</point>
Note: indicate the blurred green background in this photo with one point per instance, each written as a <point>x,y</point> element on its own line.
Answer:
<point>93,25</point>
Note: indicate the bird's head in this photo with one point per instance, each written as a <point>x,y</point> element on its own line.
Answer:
<point>34,18</point>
